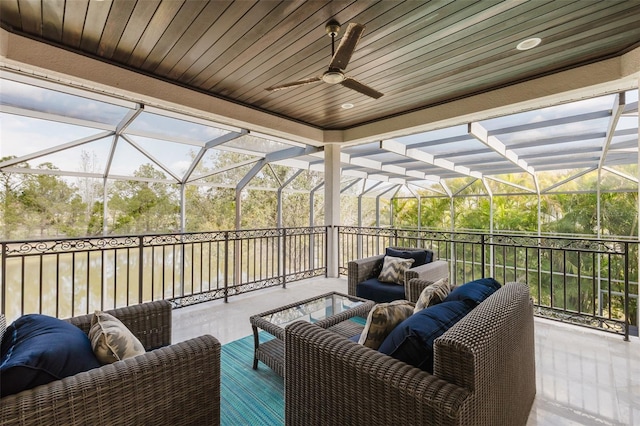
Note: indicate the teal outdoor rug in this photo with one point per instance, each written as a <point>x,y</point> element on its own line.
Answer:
<point>248,396</point>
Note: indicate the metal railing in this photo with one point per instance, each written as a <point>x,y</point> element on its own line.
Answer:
<point>587,281</point>
<point>74,276</point>
<point>592,282</point>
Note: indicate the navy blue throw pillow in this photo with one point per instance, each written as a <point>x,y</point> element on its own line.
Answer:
<point>420,257</point>
<point>412,340</point>
<point>475,291</point>
<point>38,349</point>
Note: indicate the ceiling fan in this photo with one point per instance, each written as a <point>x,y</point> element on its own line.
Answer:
<point>339,61</point>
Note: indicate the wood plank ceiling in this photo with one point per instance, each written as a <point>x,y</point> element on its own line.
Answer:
<point>417,53</point>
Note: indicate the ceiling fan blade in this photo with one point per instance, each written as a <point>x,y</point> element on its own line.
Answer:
<point>347,45</point>
<point>362,88</point>
<point>294,84</point>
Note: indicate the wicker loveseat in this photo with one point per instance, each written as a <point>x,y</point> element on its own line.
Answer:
<point>171,385</point>
<point>484,373</point>
<point>362,274</point>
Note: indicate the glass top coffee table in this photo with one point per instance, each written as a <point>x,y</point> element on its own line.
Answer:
<point>331,310</point>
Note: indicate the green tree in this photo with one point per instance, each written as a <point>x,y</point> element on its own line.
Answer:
<point>12,209</point>
<point>142,206</point>
<point>50,204</point>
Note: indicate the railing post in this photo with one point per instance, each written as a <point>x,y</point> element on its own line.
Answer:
<point>482,254</point>
<point>226,266</point>
<point>284,257</point>
<point>627,320</point>
<point>141,268</point>
<point>326,252</point>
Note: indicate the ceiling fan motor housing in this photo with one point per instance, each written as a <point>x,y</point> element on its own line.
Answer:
<point>333,76</point>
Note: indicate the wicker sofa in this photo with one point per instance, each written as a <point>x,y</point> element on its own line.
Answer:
<point>173,384</point>
<point>484,373</point>
<point>416,279</point>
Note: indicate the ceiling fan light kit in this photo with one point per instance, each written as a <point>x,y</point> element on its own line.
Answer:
<point>339,61</point>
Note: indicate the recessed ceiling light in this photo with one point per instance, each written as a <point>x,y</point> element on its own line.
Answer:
<point>529,43</point>
<point>347,106</point>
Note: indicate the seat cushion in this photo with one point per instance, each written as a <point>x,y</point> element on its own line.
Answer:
<point>412,340</point>
<point>380,292</point>
<point>382,319</point>
<point>38,349</point>
<point>420,257</point>
<point>393,269</point>
<point>475,291</point>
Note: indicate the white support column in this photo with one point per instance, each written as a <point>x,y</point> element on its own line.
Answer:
<point>332,205</point>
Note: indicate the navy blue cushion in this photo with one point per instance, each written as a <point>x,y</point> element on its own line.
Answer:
<point>420,257</point>
<point>38,349</point>
<point>380,292</point>
<point>475,291</point>
<point>412,340</point>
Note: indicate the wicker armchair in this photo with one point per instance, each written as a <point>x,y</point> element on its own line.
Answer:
<point>416,279</point>
<point>170,385</point>
<point>484,373</point>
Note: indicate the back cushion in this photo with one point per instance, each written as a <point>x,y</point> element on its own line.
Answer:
<point>474,291</point>
<point>420,257</point>
<point>38,349</point>
<point>412,340</point>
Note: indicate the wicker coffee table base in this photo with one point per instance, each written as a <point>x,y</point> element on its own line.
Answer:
<point>271,353</point>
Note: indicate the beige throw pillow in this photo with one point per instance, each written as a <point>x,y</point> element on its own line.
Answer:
<point>111,340</point>
<point>382,319</point>
<point>393,269</point>
<point>433,294</point>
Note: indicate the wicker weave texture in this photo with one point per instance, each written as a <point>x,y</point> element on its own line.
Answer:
<point>175,384</point>
<point>331,380</point>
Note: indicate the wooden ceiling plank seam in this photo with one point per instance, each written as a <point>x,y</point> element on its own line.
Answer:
<point>227,20</point>
<point>196,31</point>
<point>137,24</point>
<point>248,79</point>
<point>464,80</point>
<point>454,65</point>
<point>73,25</point>
<point>467,63</point>
<point>160,21</point>
<point>293,67</point>
<point>252,42</point>
<point>187,14</point>
<point>114,27</point>
<point>10,14</point>
<point>418,64</point>
<point>31,16</point>
<point>94,23</point>
<point>307,40</point>
<point>450,22</point>
<point>312,47</point>
<point>265,46</point>
<point>243,21</point>
<point>52,16</point>
<point>426,71</point>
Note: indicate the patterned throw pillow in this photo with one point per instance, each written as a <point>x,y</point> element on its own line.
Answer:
<point>393,269</point>
<point>382,319</point>
<point>111,340</point>
<point>433,294</point>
